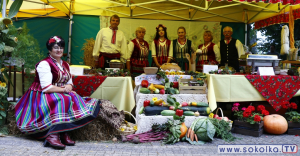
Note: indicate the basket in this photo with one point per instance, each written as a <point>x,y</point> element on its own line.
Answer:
<point>130,124</point>
<point>150,70</point>
<point>116,65</point>
<point>230,122</point>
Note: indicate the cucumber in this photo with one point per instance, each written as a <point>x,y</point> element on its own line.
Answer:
<point>154,110</point>
<point>202,110</point>
<point>141,110</point>
<point>188,113</point>
<point>145,91</point>
<point>202,104</point>
<point>168,113</point>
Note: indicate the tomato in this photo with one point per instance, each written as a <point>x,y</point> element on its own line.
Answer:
<point>179,112</point>
<point>175,84</point>
<point>146,103</point>
<point>145,83</point>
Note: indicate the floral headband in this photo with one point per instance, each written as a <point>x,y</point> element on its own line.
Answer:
<point>160,25</point>
<point>54,39</point>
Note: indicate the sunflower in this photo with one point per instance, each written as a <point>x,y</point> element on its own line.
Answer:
<point>3,84</point>
<point>122,129</point>
<point>154,99</point>
<point>192,78</point>
<point>211,115</point>
<point>135,128</point>
<point>2,69</point>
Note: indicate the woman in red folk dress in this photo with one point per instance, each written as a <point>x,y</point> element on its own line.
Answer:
<point>138,51</point>
<point>162,48</point>
<point>209,52</point>
<point>50,107</point>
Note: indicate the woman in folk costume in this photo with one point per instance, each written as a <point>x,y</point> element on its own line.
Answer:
<point>138,51</point>
<point>162,49</point>
<point>181,48</point>
<point>50,107</point>
<point>209,52</point>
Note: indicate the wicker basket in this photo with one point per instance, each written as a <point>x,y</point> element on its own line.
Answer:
<point>130,124</point>
<point>116,65</point>
<point>230,122</point>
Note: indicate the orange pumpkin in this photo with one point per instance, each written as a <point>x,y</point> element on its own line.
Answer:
<point>275,124</point>
<point>183,130</point>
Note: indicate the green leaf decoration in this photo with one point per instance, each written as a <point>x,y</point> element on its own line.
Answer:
<point>14,9</point>
<point>2,113</point>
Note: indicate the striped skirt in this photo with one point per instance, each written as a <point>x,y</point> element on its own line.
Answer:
<point>40,114</point>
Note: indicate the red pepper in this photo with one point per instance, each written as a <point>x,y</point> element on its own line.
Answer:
<point>146,103</point>
<point>145,83</point>
<point>179,112</point>
<point>175,84</point>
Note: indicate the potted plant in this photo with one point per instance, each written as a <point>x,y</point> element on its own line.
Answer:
<point>249,121</point>
<point>293,118</point>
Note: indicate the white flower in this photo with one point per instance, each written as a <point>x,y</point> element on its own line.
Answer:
<point>57,39</point>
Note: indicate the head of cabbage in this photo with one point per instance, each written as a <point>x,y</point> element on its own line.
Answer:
<point>204,129</point>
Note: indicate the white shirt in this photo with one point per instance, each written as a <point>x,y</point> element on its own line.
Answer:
<point>216,51</point>
<point>45,75</point>
<point>239,46</point>
<point>153,48</point>
<point>103,43</point>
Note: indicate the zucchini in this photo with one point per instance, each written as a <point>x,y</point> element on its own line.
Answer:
<point>145,91</point>
<point>188,113</point>
<point>202,110</point>
<point>168,113</point>
<point>141,110</point>
<point>154,110</point>
<point>199,104</point>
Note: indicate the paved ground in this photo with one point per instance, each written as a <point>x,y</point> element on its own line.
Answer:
<point>12,145</point>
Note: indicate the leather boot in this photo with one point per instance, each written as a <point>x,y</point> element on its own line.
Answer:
<point>65,139</point>
<point>54,141</point>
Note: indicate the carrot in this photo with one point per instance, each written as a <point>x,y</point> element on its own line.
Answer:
<point>192,135</point>
<point>189,131</point>
<point>196,138</point>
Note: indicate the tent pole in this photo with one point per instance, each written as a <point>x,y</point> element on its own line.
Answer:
<point>70,37</point>
<point>3,11</point>
<point>246,21</point>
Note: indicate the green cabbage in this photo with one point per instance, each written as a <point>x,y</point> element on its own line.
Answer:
<point>204,129</point>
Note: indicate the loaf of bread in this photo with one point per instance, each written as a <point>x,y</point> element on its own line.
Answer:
<point>169,66</point>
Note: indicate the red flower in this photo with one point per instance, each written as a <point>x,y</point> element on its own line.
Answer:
<point>252,108</point>
<point>52,40</point>
<point>265,112</point>
<point>293,105</point>
<point>247,113</point>
<point>257,118</point>
<point>260,108</point>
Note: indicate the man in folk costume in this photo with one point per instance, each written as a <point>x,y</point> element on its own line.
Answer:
<point>182,47</point>
<point>209,52</point>
<point>162,49</point>
<point>138,51</point>
<point>231,49</point>
<point>110,44</point>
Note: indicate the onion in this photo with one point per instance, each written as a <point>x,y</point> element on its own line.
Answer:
<point>197,113</point>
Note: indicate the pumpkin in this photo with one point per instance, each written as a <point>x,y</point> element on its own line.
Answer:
<point>183,130</point>
<point>275,124</point>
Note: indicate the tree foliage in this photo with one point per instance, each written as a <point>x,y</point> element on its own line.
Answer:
<point>273,36</point>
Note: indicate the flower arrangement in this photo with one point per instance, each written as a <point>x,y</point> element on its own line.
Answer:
<point>291,115</point>
<point>249,114</point>
<point>110,72</point>
<point>222,71</point>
